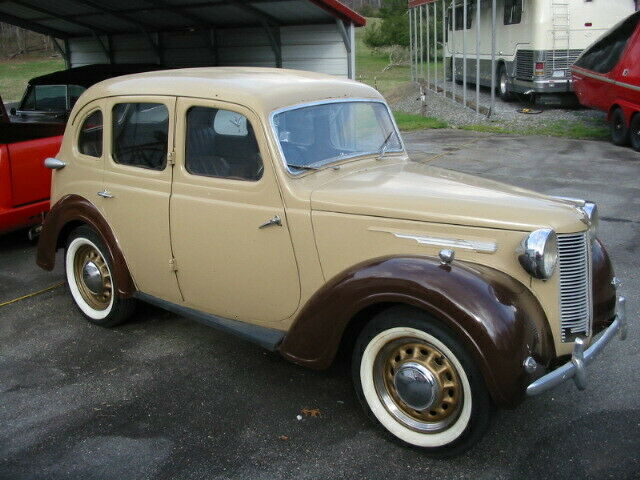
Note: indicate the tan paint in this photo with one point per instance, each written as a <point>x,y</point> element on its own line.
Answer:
<point>332,219</point>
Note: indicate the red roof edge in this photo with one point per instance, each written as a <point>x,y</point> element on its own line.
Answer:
<point>341,11</point>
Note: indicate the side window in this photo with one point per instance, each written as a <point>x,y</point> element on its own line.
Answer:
<point>606,53</point>
<point>74,93</point>
<point>460,16</point>
<point>50,98</point>
<point>140,134</point>
<point>29,102</point>
<point>221,143</point>
<point>512,12</point>
<point>90,137</point>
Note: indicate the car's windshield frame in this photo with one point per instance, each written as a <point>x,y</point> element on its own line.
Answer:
<point>294,172</point>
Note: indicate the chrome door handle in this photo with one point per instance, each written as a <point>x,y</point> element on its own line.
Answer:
<point>272,221</point>
<point>105,194</point>
<point>54,163</point>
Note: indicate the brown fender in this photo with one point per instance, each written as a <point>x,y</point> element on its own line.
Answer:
<point>604,291</point>
<point>497,319</point>
<point>71,211</point>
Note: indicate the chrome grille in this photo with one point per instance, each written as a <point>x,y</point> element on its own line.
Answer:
<point>576,308</point>
<point>559,60</point>
<point>524,64</point>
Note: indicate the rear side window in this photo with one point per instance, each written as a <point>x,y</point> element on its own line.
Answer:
<point>51,98</point>
<point>90,138</point>
<point>221,143</point>
<point>140,134</point>
<point>512,12</point>
<point>605,54</point>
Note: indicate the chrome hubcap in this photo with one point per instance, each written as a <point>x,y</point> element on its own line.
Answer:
<point>92,278</point>
<point>416,385</point>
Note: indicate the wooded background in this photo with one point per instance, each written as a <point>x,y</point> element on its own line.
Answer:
<point>15,41</point>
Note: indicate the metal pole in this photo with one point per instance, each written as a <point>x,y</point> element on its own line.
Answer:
<point>411,41</point>
<point>453,50</point>
<point>444,48</point>
<point>421,43</point>
<point>416,40</point>
<point>435,45</point>
<point>464,52</point>
<point>478,56</point>
<point>428,45</point>
<point>494,13</point>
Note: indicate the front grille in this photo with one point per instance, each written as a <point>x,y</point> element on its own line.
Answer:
<point>576,308</point>
<point>524,64</point>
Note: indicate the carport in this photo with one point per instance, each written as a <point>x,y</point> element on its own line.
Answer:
<point>316,35</point>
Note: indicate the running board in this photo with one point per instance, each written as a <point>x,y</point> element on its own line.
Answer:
<point>268,338</point>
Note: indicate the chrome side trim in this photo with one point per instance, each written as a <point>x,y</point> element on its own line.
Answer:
<point>576,368</point>
<point>268,338</point>
<point>602,78</point>
<point>478,246</point>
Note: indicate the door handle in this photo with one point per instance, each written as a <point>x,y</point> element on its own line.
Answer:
<point>105,194</point>
<point>272,222</point>
<point>54,163</point>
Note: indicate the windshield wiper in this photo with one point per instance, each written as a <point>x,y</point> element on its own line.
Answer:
<point>383,148</point>
<point>302,167</point>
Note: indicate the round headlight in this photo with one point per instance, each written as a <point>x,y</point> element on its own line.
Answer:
<point>538,253</point>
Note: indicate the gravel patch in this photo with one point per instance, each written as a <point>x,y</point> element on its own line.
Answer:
<point>407,99</point>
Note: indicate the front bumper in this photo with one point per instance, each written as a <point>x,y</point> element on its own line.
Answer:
<point>577,367</point>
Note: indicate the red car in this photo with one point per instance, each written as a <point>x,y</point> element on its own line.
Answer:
<point>25,183</point>
<point>607,77</point>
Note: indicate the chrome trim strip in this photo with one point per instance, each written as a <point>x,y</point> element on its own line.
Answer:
<point>576,368</point>
<point>478,246</point>
<point>602,78</point>
<point>328,101</point>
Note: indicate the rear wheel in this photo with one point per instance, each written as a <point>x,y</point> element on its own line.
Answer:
<point>634,132</point>
<point>415,379</point>
<point>619,129</point>
<point>89,270</point>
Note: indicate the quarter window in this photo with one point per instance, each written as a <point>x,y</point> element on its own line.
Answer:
<point>512,12</point>
<point>221,143</point>
<point>140,134</point>
<point>90,138</point>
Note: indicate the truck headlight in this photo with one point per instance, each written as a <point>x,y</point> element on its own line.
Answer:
<point>538,253</point>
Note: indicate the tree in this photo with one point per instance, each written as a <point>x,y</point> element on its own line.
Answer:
<point>394,27</point>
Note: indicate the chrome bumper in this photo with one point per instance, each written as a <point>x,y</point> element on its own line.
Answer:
<point>577,367</point>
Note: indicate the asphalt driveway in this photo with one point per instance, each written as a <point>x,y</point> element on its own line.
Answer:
<point>164,397</point>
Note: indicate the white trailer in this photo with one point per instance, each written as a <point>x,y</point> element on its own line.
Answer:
<point>536,41</point>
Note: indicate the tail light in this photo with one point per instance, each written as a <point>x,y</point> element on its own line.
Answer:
<point>539,69</point>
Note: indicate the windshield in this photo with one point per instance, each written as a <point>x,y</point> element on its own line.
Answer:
<point>317,135</point>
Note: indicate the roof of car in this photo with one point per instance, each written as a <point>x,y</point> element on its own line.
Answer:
<point>261,89</point>
<point>88,75</point>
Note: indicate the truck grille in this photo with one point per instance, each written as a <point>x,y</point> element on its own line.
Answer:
<point>524,64</point>
<point>557,60</point>
<point>576,306</point>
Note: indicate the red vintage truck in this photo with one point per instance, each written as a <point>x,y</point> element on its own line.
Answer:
<point>25,183</point>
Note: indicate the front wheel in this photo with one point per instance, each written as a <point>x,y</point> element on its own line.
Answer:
<point>503,84</point>
<point>414,378</point>
<point>89,268</point>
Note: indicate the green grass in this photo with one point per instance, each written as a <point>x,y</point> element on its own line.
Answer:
<point>14,74</point>
<point>408,122</point>
<point>558,128</point>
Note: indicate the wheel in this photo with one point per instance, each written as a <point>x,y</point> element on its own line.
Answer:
<point>88,268</point>
<point>634,132</point>
<point>414,378</point>
<point>503,84</point>
<point>619,129</point>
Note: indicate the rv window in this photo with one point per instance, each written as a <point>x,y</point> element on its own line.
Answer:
<point>606,53</point>
<point>460,17</point>
<point>512,12</point>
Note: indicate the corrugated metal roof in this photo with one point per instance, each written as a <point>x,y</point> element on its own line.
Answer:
<point>80,18</point>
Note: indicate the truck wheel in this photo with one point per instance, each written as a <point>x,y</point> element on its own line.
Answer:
<point>88,268</point>
<point>634,132</point>
<point>503,84</point>
<point>414,378</point>
<point>619,129</point>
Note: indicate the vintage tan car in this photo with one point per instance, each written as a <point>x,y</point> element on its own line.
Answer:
<point>282,206</point>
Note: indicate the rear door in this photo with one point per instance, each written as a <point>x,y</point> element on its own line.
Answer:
<point>137,186</point>
<point>30,180</point>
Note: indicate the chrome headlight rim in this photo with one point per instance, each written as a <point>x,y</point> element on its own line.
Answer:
<point>538,253</point>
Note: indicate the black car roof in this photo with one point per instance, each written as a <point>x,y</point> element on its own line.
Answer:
<point>90,74</point>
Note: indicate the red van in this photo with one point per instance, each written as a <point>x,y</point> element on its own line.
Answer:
<point>607,77</point>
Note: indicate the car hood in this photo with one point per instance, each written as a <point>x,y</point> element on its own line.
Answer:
<point>415,191</point>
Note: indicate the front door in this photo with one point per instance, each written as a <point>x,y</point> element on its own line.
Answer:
<point>137,187</point>
<point>229,232</point>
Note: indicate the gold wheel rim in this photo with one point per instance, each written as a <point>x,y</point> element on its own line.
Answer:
<point>448,393</point>
<point>97,298</point>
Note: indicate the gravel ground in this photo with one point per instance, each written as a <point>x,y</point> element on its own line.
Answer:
<point>407,99</point>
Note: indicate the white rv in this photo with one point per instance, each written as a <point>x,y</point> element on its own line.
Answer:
<point>537,41</point>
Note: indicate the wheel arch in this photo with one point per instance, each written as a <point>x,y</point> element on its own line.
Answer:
<point>70,212</point>
<point>495,317</point>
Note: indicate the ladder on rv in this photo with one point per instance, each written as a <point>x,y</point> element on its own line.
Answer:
<point>561,36</point>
